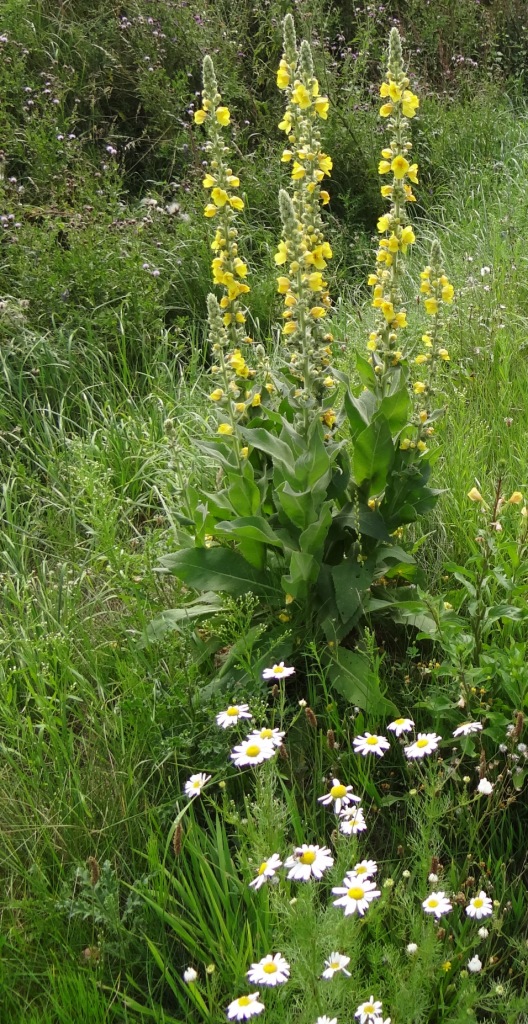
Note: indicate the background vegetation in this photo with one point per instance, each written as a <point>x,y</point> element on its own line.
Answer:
<point>104,270</point>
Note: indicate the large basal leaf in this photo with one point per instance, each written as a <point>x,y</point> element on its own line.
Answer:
<point>351,675</point>
<point>396,409</point>
<point>351,582</point>
<point>279,450</point>
<point>249,528</point>
<point>217,569</point>
<point>373,455</point>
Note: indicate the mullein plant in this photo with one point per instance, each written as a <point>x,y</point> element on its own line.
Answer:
<point>305,520</point>
<point>226,316</point>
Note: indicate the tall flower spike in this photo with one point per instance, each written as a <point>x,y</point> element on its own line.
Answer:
<point>303,252</point>
<point>399,106</point>
<point>226,316</point>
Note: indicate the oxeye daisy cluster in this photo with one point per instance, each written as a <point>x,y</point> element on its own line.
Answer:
<point>227,315</point>
<point>399,107</point>
<point>303,251</point>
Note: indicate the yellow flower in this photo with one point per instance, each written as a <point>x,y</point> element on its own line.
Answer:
<point>240,407</point>
<point>236,202</point>
<point>446,966</point>
<point>301,96</point>
<point>324,196</point>
<point>317,312</point>
<point>421,359</point>
<point>444,354</point>
<point>371,346</point>
<point>290,327</point>
<point>287,155</point>
<point>283,76</point>
<point>412,174</point>
<point>325,163</point>
<point>516,498</point>
<point>427,340</point>
<point>386,191</point>
<point>208,181</point>
<point>421,446</point>
<point>425,288</point>
<point>329,417</point>
<point>387,309</point>
<point>298,171</point>
<point>322,104</point>
<point>431,306</point>
<point>216,395</point>
<point>256,400</point>
<point>244,452</point>
<point>383,222</point>
<point>384,167</point>
<point>282,255</point>
<point>219,196</point>
<point>199,116</point>
<point>283,285</point>
<point>401,319</point>
<point>210,210</point>
<point>223,116</point>
<point>329,382</point>
<point>475,495</point>
<point>286,123</point>
<point>394,244</point>
<point>233,181</point>
<point>399,167</point>
<point>386,110</point>
<point>410,103</point>
<point>405,444</point>
<point>448,292</point>
<point>372,280</point>
<point>394,92</point>
<point>315,281</point>
<point>419,387</point>
<point>384,90</point>
<point>408,236</point>
<point>225,429</point>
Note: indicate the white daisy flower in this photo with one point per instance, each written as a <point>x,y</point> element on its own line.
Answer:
<point>267,869</point>
<point>245,1007</point>
<point>280,671</point>
<point>364,869</point>
<point>483,933</point>
<point>401,725</point>
<point>425,744</point>
<point>252,751</point>
<point>194,785</point>
<point>308,861</point>
<point>341,796</point>
<point>336,962</point>
<point>480,906</point>
<point>485,787</point>
<point>189,975</point>
<point>369,1011</point>
<point>467,728</point>
<point>437,903</point>
<point>475,965</point>
<point>271,970</point>
<point>369,744</point>
<point>352,821</point>
<point>274,735</point>
<point>232,715</point>
<point>326,1020</point>
<point>355,894</point>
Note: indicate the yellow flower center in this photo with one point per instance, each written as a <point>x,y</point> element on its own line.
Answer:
<point>244,1001</point>
<point>356,892</point>
<point>338,791</point>
<point>335,965</point>
<point>266,734</point>
<point>477,902</point>
<point>269,968</point>
<point>422,743</point>
<point>369,1008</point>
<point>360,870</point>
<point>253,750</point>
<point>399,721</point>
<point>232,712</point>
<point>432,903</point>
<point>308,857</point>
<point>263,867</point>
<point>196,785</point>
<point>372,741</point>
<point>278,670</point>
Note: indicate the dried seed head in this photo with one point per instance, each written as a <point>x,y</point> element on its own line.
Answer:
<point>177,839</point>
<point>311,717</point>
<point>330,739</point>
<point>93,867</point>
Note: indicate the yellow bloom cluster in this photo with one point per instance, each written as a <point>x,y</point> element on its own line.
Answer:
<point>226,316</point>
<point>438,292</point>
<point>401,105</point>
<point>303,252</point>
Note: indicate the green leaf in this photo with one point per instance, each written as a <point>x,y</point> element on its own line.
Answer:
<point>352,677</point>
<point>209,604</point>
<point>396,409</point>
<point>373,455</point>
<point>244,496</point>
<point>351,583</point>
<point>249,528</point>
<point>218,569</point>
<point>313,537</point>
<point>359,411</point>
<point>298,505</point>
<point>366,373</point>
<point>303,570</point>
<point>279,451</point>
